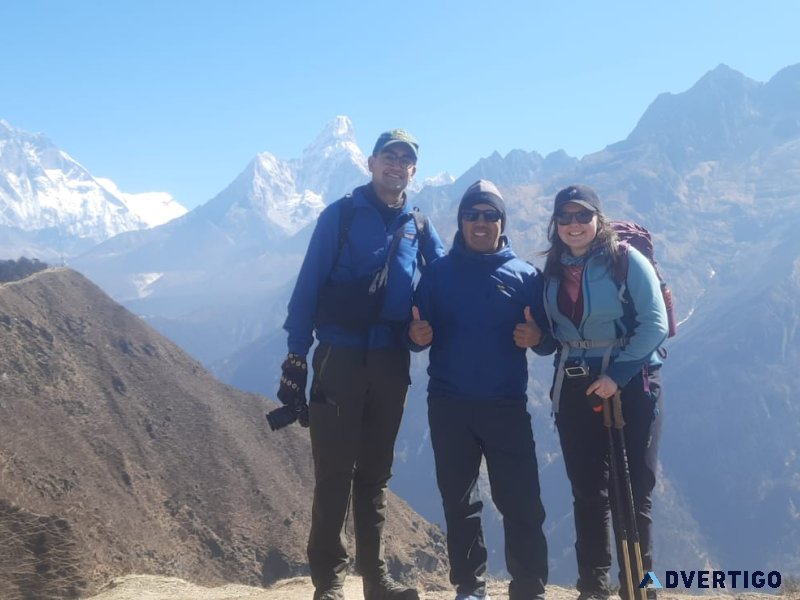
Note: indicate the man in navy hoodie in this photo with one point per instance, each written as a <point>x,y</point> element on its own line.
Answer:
<point>479,308</point>
<point>361,365</point>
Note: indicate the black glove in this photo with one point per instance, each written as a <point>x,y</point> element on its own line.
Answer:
<point>292,389</point>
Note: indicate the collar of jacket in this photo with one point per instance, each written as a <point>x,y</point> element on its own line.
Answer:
<point>596,251</point>
<point>366,196</point>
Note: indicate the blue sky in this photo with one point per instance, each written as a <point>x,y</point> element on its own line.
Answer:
<point>179,96</point>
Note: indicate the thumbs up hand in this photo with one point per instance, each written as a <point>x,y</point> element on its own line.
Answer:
<point>527,334</point>
<point>420,332</point>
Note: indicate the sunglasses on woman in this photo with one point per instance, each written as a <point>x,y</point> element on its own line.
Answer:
<point>490,216</point>
<point>584,217</point>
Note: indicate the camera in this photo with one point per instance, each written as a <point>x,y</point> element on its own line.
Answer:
<point>288,414</point>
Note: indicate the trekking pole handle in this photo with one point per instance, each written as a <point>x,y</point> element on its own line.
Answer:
<point>606,413</point>
<point>616,404</point>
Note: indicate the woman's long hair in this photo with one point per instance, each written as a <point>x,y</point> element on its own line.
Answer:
<point>605,244</point>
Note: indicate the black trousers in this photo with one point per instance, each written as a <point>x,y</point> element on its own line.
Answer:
<point>461,433</point>
<point>584,443</point>
<point>356,404</point>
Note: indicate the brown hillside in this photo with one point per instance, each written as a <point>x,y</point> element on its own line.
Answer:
<point>120,454</point>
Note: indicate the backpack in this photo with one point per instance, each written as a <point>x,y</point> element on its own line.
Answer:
<point>637,236</point>
<point>356,305</point>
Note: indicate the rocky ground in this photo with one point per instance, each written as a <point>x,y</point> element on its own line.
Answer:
<point>142,587</point>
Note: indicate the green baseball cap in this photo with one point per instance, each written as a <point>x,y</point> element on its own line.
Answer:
<point>396,136</point>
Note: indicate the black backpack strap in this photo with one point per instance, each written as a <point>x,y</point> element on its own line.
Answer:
<point>423,233</point>
<point>346,211</point>
<point>345,220</point>
<point>619,273</point>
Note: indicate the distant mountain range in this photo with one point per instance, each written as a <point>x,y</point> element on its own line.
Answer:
<point>713,172</point>
<point>50,206</point>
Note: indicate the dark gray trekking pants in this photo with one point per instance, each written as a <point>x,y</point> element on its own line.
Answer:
<point>462,432</point>
<point>356,404</point>
<point>584,442</point>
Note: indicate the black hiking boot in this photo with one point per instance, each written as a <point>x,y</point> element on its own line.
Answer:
<point>329,594</point>
<point>386,588</point>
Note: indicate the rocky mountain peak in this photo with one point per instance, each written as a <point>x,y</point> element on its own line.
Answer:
<point>716,118</point>
<point>723,77</point>
<point>340,127</point>
<point>333,164</point>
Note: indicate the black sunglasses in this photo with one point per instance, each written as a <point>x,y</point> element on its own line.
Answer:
<point>490,216</point>
<point>584,217</point>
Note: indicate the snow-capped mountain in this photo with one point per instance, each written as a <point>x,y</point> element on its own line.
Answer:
<point>264,200</point>
<point>45,193</point>
<point>415,186</point>
<point>333,164</point>
<point>276,198</point>
<point>443,178</point>
<point>42,186</point>
<point>153,208</point>
<point>247,236</point>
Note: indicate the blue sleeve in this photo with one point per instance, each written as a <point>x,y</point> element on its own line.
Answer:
<point>547,345</point>
<point>432,247</point>
<point>651,328</point>
<point>317,266</point>
<point>422,300</point>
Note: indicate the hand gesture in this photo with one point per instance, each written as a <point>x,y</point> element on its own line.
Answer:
<point>420,332</point>
<point>527,334</point>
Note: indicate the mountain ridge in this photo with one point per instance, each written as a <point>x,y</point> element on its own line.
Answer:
<point>121,454</point>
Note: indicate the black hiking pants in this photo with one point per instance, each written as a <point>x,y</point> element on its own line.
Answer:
<point>584,443</point>
<point>462,432</point>
<point>356,404</point>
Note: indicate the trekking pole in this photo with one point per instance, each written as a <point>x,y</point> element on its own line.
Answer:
<point>618,520</point>
<point>619,424</point>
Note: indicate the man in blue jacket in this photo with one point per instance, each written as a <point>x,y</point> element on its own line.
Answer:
<point>354,290</point>
<point>479,309</point>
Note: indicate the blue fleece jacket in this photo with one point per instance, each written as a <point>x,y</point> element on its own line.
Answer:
<point>364,252</point>
<point>604,316</point>
<point>473,303</point>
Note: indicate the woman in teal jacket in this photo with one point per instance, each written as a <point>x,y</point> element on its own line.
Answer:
<point>608,334</point>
